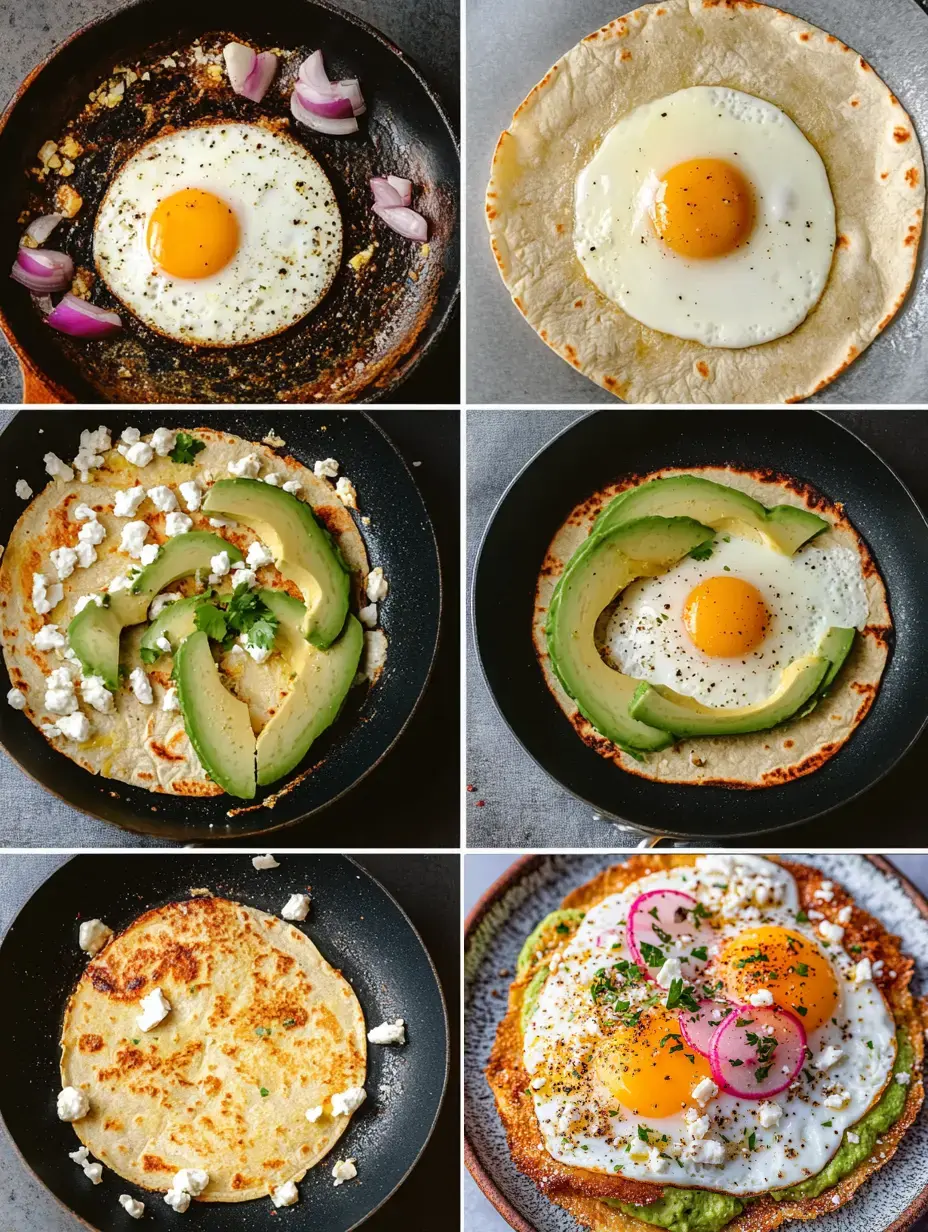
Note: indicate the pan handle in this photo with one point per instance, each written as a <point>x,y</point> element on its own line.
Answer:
<point>36,390</point>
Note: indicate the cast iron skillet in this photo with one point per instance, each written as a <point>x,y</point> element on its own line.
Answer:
<point>357,926</point>
<point>399,538</point>
<point>367,334</point>
<point>601,448</point>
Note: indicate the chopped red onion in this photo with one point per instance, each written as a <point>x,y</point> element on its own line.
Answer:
<point>403,187</point>
<point>351,89</point>
<point>322,124</point>
<point>312,71</point>
<point>315,87</point>
<point>240,60</point>
<point>385,193</point>
<point>41,228</point>
<point>76,317</point>
<point>333,108</point>
<point>404,221</point>
<point>250,73</point>
<point>42,270</point>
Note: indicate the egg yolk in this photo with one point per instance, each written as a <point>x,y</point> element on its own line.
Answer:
<point>649,1068</point>
<point>725,616</point>
<point>705,208</point>
<point>192,234</point>
<point>793,969</point>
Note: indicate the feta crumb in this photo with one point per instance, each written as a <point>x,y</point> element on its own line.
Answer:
<point>669,972</point>
<point>769,1113</point>
<point>177,1200</point>
<point>220,564</point>
<point>863,971</point>
<point>344,1170</point>
<point>844,915</point>
<point>537,1083</point>
<point>84,513</point>
<point>312,1114</point>
<point>220,522</point>
<point>141,686</point>
<point>293,487</point>
<point>74,726</point>
<point>59,692</point>
<point>155,1008</point>
<point>709,1151</point>
<point>242,576</point>
<point>257,555</point>
<point>149,553</point>
<point>296,907</point>
<point>56,468</point>
<point>187,1184</point>
<point>831,932</point>
<point>638,1150</point>
<point>260,654</point>
<point>163,441</point>
<point>133,538</point>
<point>133,1209</point>
<point>86,553</point>
<point>163,498</point>
<point>64,560</point>
<point>128,501</point>
<point>762,997</point>
<point>139,454</point>
<point>395,1033</point>
<point>327,469</point>
<point>346,492</point>
<point>130,436</point>
<point>704,1090</point>
<point>368,616</point>
<point>49,637</point>
<point>17,699</point>
<point>903,1078</point>
<point>837,1099</point>
<point>346,1102</point>
<point>828,1057</point>
<point>245,468</point>
<point>285,1195</point>
<point>192,494</point>
<point>852,1137</point>
<point>836,1199</point>
<point>377,586</point>
<point>73,1105</point>
<point>45,597</point>
<point>825,892</point>
<point>84,600</point>
<point>177,524</point>
<point>23,491</point>
<point>169,701</point>
<point>96,694</point>
<point>160,602</point>
<point>93,1171</point>
<point>815,915</point>
<point>93,936</point>
<point>656,1161</point>
<point>266,861</point>
<point>163,644</point>
<point>696,1126</point>
<point>272,478</point>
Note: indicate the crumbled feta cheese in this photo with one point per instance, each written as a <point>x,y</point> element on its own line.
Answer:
<point>149,553</point>
<point>192,494</point>
<point>135,1210</point>
<point>220,564</point>
<point>377,586</point>
<point>163,498</point>
<point>312,1114</point>
<point>266,861</point>
<point>130,436</point>
<point>17,699</point>
<point>260,654</point>
<point>828,1057</point>
<point>769,1113</point>
<point>537,1083</point>
<point>844,915</point>
<point>346,1102</point>
<point>169,701</point>
<point>368,616</point>
<point>96,694</point>
<point>74,726</point>
<point>346,492</point>
<point>285,1195</point>
<point>669,972</point>
<point>258,554</point>
<point>99,440</point>
<point>128,501</point>
<point>163,644</point>
<point>835,1199</point>
<point>86,554</point>
<point>296,907</point>
<point>86,460</point>
<point>831,932</point>
<point>73,1105</point>
<point>177,1200</point>
<point>138,454</point>
<point>272,478</point>
<point>155,1008</point>
<point>163,441</point>
<point>395,1033</point>
<point>177,524</point>
<point>903,1078</point>
<point>293,487</point>
<point>160,602</point>
<point>815,915</point>
<point>84,600</point>
<point>708,1151</point>
<point>93,936</point>
<point>852,1137</point>
<point>825,892</point>
<point>243,577</point>
<point>704,1090</point>
<point>133,538</point>
<point>141,686</point>
<point>837,1099</point>
<point>344,1170</point>
<point>638,1149</point>
<point>23,491</point>
<point>696,1126</point>
<point>220,522</point>
<point>49,637</point>
<point>59,692</point>
<point>762,997</point>
<point>863,971</point>
<point>56,468</point>
<point>84,513</point>
<point>327,469</point>
<point>656,1161</point>
<point>191,1180</point>
<point>245,468</point>
<point>45,597</point>
<point>64,560</point>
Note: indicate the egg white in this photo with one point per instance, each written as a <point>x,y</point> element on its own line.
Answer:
<point>566,1023</point>
<point>762,290</point>
<point>805,594</point>
<point>290,233</point>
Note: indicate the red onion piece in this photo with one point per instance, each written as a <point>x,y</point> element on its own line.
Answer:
<point>699,1029</point>
<point>240,61</point>
<point>76,317</point>
<point>404,221</point>
<point>312,71</point>
<point>313,83</point>
<point>671,911</point>
<point>385,194</point>
<point>333,108</point>
<point>258,81</point>
<point>322,124</point>
<point>42,270</point>
<point>41,228</point>
<point>403,187</point>
<point>351,89</point>
<point>734,1060</point>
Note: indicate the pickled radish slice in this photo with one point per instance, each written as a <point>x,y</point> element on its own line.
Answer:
<point>757,1052</point>
<point>664,921</point>
<point>698,1029</point>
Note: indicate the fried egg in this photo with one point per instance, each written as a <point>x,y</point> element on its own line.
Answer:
<point>618,1087</point>
<point>722,630</point>
<point>708,215</point>
<point>219,234</point>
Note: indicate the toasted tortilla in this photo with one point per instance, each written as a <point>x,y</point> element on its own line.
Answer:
<point>863,134</point>
<point>261,1029</point>
<point>759,759</point>
<point>145,745</point>
<point>578,1190</point>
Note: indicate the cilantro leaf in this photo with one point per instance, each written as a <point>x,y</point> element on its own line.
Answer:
<point>262,633</point>
<point>210,621</point>
<point>702,551</point>
<point>186,448</point>
<point>150,655</point>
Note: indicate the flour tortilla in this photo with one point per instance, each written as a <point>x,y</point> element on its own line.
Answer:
<point>759,759</point>
<point>575,1189</point>
<point>145,745</point>
<point>865,137</point>
<point>189,1093</point>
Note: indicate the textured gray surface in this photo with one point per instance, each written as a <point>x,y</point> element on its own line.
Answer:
<point>426,30</point>
<point>480,871</point>
<point>511,46</point>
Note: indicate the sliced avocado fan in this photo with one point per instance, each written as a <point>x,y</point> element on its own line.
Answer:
<point>303,551</point>
<point>176,622</point>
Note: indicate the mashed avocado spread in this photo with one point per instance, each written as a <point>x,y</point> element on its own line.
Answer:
<point>701,1210</point>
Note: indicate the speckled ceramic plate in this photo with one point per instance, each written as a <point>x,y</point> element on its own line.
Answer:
<point>889,1202</point>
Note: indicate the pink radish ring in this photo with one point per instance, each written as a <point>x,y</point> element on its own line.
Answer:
<point>745,1063</point>
<point>699,1029</point>
<point>657,920</point>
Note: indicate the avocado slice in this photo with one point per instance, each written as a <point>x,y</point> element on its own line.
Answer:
<point>603,566</point>
<point>320,683</point>
<point>835,646</point>
<point>548,934</point>
<point>218,724</point>
<point>175,623</point>
<point>303,551</point>
<point>94,632</point>
<point>785,527</point>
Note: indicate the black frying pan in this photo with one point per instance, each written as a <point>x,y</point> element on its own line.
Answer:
<point>399,538</point>
<point>599,449</point>
<point>356,925</point>
<point>367,334</point>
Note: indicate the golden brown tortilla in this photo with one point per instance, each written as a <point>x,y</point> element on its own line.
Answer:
<point>865,137</point>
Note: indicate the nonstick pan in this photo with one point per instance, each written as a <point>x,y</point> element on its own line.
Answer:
<point>399,538</point>
<point>372,327</point>
<point>356,925</point>
<point>599,449</point>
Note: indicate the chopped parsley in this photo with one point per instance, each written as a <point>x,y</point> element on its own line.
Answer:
<point>700,952</point>
<point>264,1092</point>
<point>752,1139</point>
<point>136,1041</point>
<point>757,956</point>
<point>652,955</point>
<point>801,1010</point>
<point>702,551</point>
<point>562,928</point>
<point>802,969</point>
<point>186,448</point>
<point>643,1132</point>
<point>801,917</point>
<point>682,996</point>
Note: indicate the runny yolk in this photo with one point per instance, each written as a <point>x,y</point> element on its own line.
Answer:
<point>789,966</point>
<point>649,1068</point>
<point>192,234</point>
<point>704,208</point>
<point>725,616</point>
